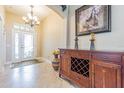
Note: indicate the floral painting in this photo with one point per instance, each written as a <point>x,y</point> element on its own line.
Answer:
<point>92,19</point>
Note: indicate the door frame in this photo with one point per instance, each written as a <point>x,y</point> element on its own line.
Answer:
<point>3,43</point>
<point>13,49</point>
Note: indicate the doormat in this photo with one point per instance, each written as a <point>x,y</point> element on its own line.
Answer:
<point>24,63</point>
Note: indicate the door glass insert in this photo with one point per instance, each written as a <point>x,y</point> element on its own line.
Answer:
<point>16,45</point>
<point>28,45</point>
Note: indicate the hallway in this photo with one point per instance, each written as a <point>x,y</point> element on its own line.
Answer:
<point>39,75</point>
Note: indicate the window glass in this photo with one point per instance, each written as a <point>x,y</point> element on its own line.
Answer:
<point>16,26</point>
<point>23,27</point>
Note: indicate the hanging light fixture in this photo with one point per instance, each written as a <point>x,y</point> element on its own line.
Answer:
<point>31,19</point>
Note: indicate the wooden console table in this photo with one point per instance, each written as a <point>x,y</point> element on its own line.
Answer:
<point>96,69</point>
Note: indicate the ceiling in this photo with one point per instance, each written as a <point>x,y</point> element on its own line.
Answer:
<point>41,11</point>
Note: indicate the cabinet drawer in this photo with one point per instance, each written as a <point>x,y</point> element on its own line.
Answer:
<point>106,57</point>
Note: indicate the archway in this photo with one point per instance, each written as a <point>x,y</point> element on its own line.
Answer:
<point>53,33</point>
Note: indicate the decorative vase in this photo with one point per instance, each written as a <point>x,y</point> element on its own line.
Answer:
<point>76,42</point>
<point>56,55</point>
<point>92,45</point>
<point>55,62</point>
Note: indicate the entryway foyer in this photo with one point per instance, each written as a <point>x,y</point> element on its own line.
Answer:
<point>85,42</point>
<point>26,47</point>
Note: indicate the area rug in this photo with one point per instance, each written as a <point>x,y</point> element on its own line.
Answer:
<point>24,63</point>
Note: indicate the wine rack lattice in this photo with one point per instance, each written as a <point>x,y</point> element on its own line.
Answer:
<point>80,66</point>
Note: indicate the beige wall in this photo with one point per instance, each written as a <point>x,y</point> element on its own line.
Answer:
<point>9,22</point>
<point>53,35</point>
<point>112,41</point>
<point>38,39</point>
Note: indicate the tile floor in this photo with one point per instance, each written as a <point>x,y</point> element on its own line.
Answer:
<point>39,75</point>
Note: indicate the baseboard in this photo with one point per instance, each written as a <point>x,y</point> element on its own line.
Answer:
<point>38,59</point>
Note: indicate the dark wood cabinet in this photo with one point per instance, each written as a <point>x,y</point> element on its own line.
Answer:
<point>106,75</point>
<point>95,69</point>
<point>65,62</point>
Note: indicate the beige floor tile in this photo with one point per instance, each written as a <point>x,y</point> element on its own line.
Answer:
<point>39,75</point>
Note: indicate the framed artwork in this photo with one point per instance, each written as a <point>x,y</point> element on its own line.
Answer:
<point>93,18</point>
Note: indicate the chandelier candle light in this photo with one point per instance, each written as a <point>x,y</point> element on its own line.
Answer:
<point>31,19</point>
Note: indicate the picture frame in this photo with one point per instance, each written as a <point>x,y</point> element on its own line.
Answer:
<point>93,19</point>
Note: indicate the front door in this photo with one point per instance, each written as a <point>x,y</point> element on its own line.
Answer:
<point>23,46</point>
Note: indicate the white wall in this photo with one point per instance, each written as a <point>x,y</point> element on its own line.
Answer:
<point>2,50</point>
<point>0,41</point>
<point>111,41</point>
<point>53,35</point>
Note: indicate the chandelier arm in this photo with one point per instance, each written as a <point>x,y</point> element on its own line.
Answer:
<point>32,10</point>
<point>33,20</point>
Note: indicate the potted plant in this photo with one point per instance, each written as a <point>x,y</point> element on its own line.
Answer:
<point>55,62</point>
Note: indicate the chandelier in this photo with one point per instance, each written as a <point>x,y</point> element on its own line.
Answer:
<point>31,19</point>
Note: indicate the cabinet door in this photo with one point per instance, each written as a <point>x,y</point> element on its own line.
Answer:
<point>64,64</point>
<point>105,75</point>
<point>80,68</point>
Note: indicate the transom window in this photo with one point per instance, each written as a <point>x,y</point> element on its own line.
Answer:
<point>22,27</point>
